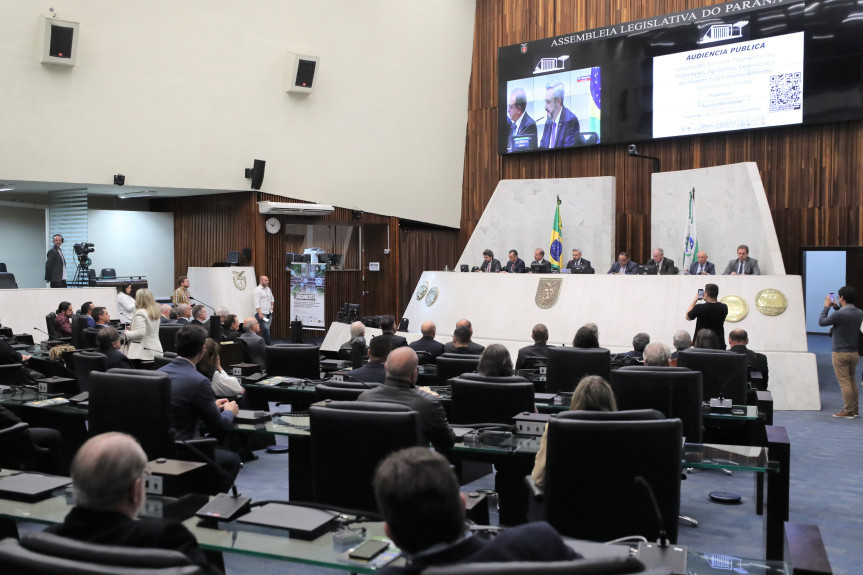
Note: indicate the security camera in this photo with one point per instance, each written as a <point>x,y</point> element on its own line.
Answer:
<point>632,149</point>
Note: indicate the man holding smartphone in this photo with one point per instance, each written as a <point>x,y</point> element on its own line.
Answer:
<point>710,313</point>
<point>846,323</point>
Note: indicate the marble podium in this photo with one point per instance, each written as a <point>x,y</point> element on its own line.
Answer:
<point>231,287</point>
<point>22,309</point>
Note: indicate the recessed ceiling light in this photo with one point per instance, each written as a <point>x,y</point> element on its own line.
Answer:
<point>145,194</point>
<point>6,188</point>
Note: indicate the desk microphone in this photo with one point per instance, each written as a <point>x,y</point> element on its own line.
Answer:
<point>43,331</point>
<point>661,553</point>
<point>223,507</point>
<point>202,303</point>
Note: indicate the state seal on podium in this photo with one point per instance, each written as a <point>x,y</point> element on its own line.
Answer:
<point>548,292</point>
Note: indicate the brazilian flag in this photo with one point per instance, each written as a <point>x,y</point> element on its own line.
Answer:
<point>555,248</point>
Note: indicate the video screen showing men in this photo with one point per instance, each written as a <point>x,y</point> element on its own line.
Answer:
<point>561,125</point>
<point>522,128</point>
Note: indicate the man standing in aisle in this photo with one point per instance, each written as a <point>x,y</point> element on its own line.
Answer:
<point>55,265</point>
<point>263,298</point>
<point>846,323</point>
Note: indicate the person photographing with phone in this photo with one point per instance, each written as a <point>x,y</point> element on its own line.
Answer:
<point>709,313</point>
<point>845,333</point>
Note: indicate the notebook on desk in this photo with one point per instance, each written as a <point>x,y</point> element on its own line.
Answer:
<point>30,486</point>
<point>300,522</point>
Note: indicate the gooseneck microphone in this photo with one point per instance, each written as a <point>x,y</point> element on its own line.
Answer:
<point>202,303</point>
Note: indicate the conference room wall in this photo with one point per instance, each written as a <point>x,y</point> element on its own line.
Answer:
<point>188,94</point>
<point>23,243</point>
<point>811,174</point>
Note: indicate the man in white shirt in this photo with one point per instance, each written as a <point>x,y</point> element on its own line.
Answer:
<point>263,298</point>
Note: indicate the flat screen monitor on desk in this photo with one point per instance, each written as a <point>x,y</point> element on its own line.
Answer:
<point>540,268</point>
<point>648,270</point>
<point>578,269</point>
<point>233,258</point>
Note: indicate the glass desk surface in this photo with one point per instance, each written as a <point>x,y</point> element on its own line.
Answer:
<point>280,425</point>
<point>24,396</point>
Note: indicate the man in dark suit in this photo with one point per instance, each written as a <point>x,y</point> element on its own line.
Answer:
<point>665,266</point>
<point>108,475</point>
<point>427,342</point>
<point>577,260</point>
<point>702,266</point>
<point>165,309</point>
<point>515,265</point>
<point>489,264</point>
<point>738,339</point>
<point>254,343</point>
<point>561,126</point>
<point>639,342</point>
<point>388,327</point>
<point>743,265</point>
<point>55,264</point>
<point>522,128</point>
<point>539,259</point>
<point>539,349</point>
<point>108,344</point>
<point>418,496</point>
<point>199,316</point>
<point>400,387</point>
<point>184,313</point>
<point>623,265</point>
<point>373,371</point>
<point>461,340</point>
<point>192,399</point>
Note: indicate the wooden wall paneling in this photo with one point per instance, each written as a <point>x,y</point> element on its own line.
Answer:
<point>423,249</point>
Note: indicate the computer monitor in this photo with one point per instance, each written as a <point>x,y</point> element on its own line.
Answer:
<point>648,270</point>
<point>465,268</point>
<point>233,258</point>
<point>578,269</point>
<point>335,260</point>
<point>540,268</point>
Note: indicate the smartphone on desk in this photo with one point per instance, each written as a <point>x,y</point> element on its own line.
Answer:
<point>369,550</point>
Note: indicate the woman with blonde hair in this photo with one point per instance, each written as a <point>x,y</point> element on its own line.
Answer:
<point>143,333</point>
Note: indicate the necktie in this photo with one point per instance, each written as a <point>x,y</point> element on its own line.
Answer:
<point>553,134</point>
<point>740,268</point>
<point>700,268</point>
<point>514,127</point>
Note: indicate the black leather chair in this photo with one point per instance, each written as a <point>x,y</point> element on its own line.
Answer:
<point>450,365</point>
<point>79,324</point>
<point>348,440</point>
<point>489,401</point>
<point>7,281</point>
<point>48,554</point>
<point>230,353</point>
<point>294,360</point>
<point>164,359</point>
<point>722,372</point>
<point>90,334</point>
<point>592,462</point>
<point>10,374</point>
<point>604,566</point>
<point>340,390</point>
<point>3,267</point>
<point>109,273</point>
<point>674,392</point>
<point>168,336</point>
<point>17,448</point>
<point>50,327</point>
<point>567,365</point>
<point>87,362</point>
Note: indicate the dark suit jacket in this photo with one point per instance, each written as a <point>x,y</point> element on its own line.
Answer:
<point>530,542</point>
<point>527,127</point>
<point>183,320</point>
<point>493,268</point>
<point>515,268</point>
<point>393,339</point>
<point>665,268</point>
<point>472,348</point>
<point>750,267</point>
<point>113,528</point>
<point>428,345</point>
<point>116,358</point>
<point>434,425</point>
<point>54,266</point>
<point>192,398</point>
<point>571,264</point>
<point>537,350</point>
<point>708,267</point>
<point>257,347</point>
<point>200,323</point>
<point>754,360</point>
<point>631,268</point>
<point>566,133</point>
<point>372,372</point>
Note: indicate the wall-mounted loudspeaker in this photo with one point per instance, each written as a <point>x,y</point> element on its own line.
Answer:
<point>300,73</point>
<point>247,254</point>
<point>59,42</point>
<point>256,174</point>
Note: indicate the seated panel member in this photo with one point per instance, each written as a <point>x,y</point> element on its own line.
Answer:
<point>427,342</point>
<point>702,266</point>
<point>577,260</point>
<point>623,265</point>
<point>561,125</point>
<point>743,265</point>
<point>108,475</point>
<point>666,266</point>
<point>515,265</point>
<point>539,260</point>
<point>539,349</point>
<point>489,264</point>
<point>418,495</point>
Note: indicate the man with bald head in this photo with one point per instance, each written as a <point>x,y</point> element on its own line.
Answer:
<point>472,348</point>
<point>427,342</point>
<point>400,387</point>
<point>254,343</point>
<point>108,475</point>
<point>702,266</point>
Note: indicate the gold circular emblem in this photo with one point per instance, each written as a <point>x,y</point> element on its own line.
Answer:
<point>737,308</point>
<point>771,302</point>
<point>432,296</point>
<point>422,291</point>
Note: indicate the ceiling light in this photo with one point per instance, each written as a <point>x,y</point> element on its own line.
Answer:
<point>6,188</point>
<point>128,195</point>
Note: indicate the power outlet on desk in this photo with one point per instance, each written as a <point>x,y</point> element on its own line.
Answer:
<point>154,485</point>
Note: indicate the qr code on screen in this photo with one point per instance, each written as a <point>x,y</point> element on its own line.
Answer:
<point>786,91</point>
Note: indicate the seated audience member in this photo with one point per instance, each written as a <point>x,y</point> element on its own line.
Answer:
<point>539,349</point>
<point>125,302</point>
<point>664,265</point>
<point>423,511</point>
<point>358,336</point>
<point>101,316</point>
<point>577,260</point>
<point>192,399</point>
<point>230,328</point>
<point>623,265</point>
<point>388,327</point>
<point>62,323</point>
<point>373,371</point>
<point>586,338</point>
<point>173,316</point>
<point>489,264</point>
<point>45,437</point>
<point>223,313</point>
<point>210,367</point>
<point>108,475</point>
<point>86,312</point>
<point>681,340</point>
<point>108,343</point>
<point>184,313</point>
<point>165,310</point>
<point>706,339</point>
<point>514,265</point>
<point>400,387</point>
<point>738,339</point>
<point>461,342</point>
<point>495,362</point>
<point>591,394</point>
<point>254,343</point>
<point>199,315</point>
<point>639,342</point>
<point>657,354</point>
<point>427,342</point>
<point>472,348</point>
